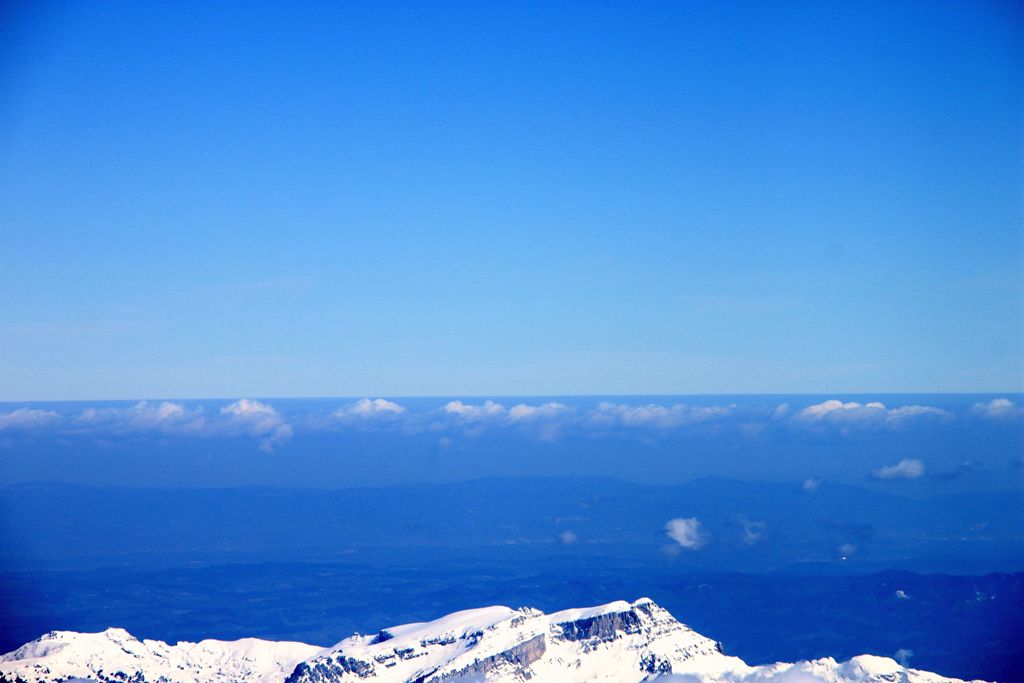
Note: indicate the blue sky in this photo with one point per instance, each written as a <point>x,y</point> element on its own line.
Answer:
<point>454,199</point>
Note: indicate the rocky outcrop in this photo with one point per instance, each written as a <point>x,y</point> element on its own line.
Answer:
<point>601,628</point>
<point>330,669</point>
<point>517,658</point>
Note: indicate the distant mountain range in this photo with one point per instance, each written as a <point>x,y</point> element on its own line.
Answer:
<point>619,642</point>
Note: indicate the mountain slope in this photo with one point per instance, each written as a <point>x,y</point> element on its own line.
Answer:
<point>115,655</point>
<point>619,642</point>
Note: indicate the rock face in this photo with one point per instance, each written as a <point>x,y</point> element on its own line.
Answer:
<point>619,642</point>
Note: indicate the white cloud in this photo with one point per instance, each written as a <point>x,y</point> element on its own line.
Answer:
<point>26,418</point>
<point>996,409</point>
<point>654,415</point>
<point>568,537</point>
<point>853,413</point>
<point>258,416</point>
<point>847,550</point>
<point>837,409</point>
<point>907,468</point>
<point>166,417</point>
<point>244,417</point>
<point>909,412</point>
<point>902,595</point>
<point>469,412</point>
<point>257,419</point>
<point>524,413</point>
<point>366,408</point>
<point>687,532</point>
<point>751,532</point>
<point>546,421</point>
<point>811,485</point>
<point>278,438</point>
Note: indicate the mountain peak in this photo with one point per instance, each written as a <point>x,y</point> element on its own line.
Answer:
<point>618,642</point>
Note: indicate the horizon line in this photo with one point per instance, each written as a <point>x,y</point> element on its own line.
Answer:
<point>1015,392</point>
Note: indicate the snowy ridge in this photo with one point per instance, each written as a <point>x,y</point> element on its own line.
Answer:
<point>116,655</point>
<point>620,642</point>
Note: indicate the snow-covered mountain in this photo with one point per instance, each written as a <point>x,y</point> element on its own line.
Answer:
<point>619,642</point>
<point>116,655</point>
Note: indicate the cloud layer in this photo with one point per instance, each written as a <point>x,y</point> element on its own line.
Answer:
<point>241,418</point>
<point>543,420</point>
